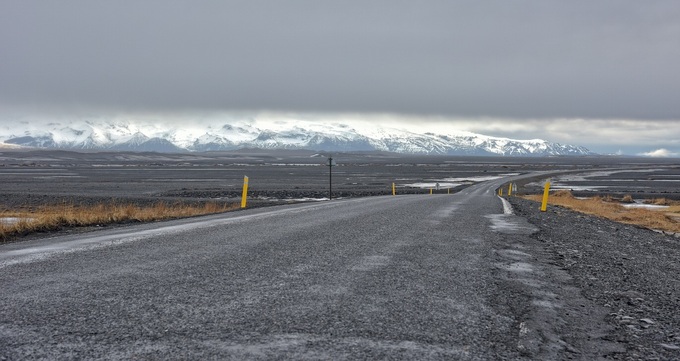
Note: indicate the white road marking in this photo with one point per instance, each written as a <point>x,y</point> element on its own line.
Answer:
<point>507,207</point>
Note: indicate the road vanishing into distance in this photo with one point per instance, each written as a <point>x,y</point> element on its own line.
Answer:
<point>392,277</point>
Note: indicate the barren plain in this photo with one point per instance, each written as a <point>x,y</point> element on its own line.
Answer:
<point>37,177</point>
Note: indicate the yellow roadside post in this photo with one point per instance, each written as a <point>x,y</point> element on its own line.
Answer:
<point>245,192</point>
<point>546,191</point>
<point>500,192</point>
<point>394,190</point>
<point>430,190</point>
<point>510,190</point>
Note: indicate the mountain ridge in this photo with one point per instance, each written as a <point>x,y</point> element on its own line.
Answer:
<point>290,134</point>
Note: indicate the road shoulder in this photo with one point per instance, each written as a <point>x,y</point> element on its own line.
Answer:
<point>627,273</point>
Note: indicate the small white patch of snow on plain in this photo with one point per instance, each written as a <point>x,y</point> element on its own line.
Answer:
<point>584,176</point>
<point>473,179</point>
<point>576,188</point>
<point>309,199</point>
<point>428,185</point>
<point>8,221</point>
<point>297,164</point>
<point>645,206</point>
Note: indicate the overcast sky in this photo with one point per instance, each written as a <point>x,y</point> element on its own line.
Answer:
<point>589,72</point>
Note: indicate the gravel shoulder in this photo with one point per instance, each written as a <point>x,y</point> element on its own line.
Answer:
<point>631,272</point>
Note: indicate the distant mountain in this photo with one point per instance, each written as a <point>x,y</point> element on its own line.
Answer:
<point>128,135</point>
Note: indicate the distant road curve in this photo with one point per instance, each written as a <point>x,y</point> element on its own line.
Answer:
<point>398,277</point>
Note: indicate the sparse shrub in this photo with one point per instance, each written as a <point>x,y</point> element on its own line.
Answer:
<point>659,201</point>
<point>627,199</point>
<point>563,193</point>
<point>50,218</point>
<point>607,198</point>
<point>666,219</point>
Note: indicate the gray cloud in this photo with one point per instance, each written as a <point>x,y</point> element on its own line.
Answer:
<point>467,58</point>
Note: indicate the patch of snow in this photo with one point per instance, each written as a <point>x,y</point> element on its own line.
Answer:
<point>433,185</point>
<point>297,164</point>
<point>584,177</point>
<point>569,187</point>
<point>644,206</point>
<point>8,221</point>
<point>473,179</point>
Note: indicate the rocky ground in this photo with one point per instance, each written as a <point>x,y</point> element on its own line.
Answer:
<point>632,272</point>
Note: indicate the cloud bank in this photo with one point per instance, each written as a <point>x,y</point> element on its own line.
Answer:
<point>525,59</point>
<point>660,153</point>
<point>600,74</point>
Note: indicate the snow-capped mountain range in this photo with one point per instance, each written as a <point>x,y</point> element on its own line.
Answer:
<point>230,134</point>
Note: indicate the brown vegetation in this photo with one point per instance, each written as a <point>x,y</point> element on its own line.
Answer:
<point>666,219</point>
<point>50,218</point>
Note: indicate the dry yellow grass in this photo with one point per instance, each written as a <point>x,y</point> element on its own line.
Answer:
<point>49,218</point>
<point>664,219</point>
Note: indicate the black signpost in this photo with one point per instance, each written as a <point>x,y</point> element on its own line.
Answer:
<point>331,163</point>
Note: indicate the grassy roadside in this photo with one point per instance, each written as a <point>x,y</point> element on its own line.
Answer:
<point>666,219</point>
<point>52,218</point>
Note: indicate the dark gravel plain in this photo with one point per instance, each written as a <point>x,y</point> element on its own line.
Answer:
<point>632,272</point>
<point>38,177</point>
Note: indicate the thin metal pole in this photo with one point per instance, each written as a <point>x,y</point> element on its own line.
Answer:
<point>330,178</point>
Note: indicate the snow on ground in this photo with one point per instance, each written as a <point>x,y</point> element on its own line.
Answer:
<point>8,221</point>
<point>452,182</point>
<point>473,179</point>
<point>428,185</point>
<point>645,206</point>
<point>296,200</point>
<point>569,187</point>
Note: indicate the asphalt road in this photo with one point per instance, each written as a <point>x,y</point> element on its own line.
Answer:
<point>391,277</point>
